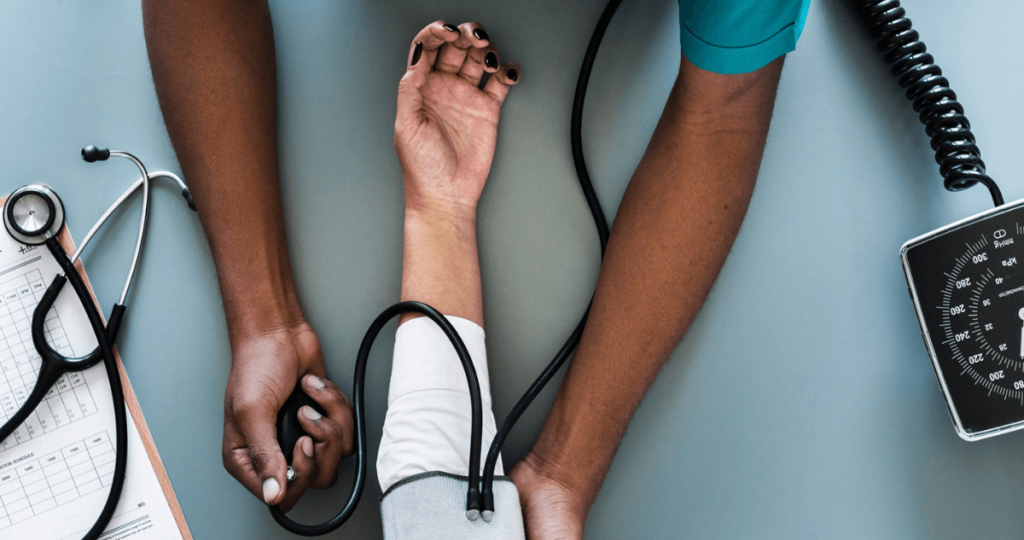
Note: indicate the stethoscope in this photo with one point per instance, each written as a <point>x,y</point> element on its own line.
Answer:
<point>34,215</point>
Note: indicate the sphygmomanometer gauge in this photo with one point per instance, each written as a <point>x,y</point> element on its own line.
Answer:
<point>967,284</point>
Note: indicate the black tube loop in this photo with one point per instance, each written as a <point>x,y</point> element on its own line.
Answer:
<point>473,499</point>
<point>53,364</point>
<point>954,144</point>
<point>48,375</point>
<point>576,135</point>
<point>113,377</point>
<point>43,348</point>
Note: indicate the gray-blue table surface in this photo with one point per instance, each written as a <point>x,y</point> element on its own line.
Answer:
<point>801,404</point>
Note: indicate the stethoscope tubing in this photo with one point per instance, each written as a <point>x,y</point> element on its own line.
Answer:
<point>117,204</point>
<point>113,377</point>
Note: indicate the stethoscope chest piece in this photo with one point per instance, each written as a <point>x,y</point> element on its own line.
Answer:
<point>33,213</point>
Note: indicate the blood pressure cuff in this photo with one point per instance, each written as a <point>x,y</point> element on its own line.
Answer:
<point>739,36</point>
<point>432,506</point>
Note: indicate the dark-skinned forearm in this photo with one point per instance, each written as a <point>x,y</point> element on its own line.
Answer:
<point>213,67</point>
<point>674,228</point>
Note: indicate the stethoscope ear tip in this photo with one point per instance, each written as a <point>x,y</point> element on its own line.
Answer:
<point>92,154</point>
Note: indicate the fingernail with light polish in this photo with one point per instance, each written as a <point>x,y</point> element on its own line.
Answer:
<point>416,53</point>
<point>315,382</point>
<point>307,447</point>
<point>270,490</point>
<point>491,60</point>
<point>311,413</point>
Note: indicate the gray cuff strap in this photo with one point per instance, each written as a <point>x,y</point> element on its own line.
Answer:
<point>432,506</point>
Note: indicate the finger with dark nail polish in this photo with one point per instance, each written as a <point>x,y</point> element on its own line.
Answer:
<point>416,53</point>
<point>499,83</point>
<point>451,28</point>
<point>480,33</point>
<point>480,60</point>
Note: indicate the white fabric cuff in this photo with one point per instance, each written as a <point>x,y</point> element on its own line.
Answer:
<point>429,417</point>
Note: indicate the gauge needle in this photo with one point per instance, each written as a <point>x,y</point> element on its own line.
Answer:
<point>1021,315</point>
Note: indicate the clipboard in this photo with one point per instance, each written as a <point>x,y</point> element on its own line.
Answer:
<point>131,401</point>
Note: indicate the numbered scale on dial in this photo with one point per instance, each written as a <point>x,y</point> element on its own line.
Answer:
<point>967,284</point>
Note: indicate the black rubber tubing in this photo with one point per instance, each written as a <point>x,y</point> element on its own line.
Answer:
<point>473,497</point>
<point>576,136</point>
<point>113,376</point>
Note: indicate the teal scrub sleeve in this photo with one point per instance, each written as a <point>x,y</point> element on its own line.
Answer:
<point>739,36</point>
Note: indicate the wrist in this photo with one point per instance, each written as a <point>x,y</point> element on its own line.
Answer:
<point>550,463</point>
<point>257,316</point>
<point>260,307</point>
<point>456,219</point>
<point>546,495</point>
<point>422,208</point>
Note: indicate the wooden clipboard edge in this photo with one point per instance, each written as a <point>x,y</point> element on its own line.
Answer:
<point>64,236</point>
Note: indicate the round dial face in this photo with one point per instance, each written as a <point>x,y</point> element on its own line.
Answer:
<point>967,282</point>
<point>984,314</point>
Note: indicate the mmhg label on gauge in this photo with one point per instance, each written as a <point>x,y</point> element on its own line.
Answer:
<point>967,283</point>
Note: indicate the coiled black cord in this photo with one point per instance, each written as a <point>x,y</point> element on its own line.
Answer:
<point>956,150</point>
<point>602,233</point>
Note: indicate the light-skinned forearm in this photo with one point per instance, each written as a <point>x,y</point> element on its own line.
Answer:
<point>440,265</point>
<point>674,228</point>
<point>213,66</point>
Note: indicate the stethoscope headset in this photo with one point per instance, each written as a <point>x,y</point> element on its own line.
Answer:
<point>34,215</point>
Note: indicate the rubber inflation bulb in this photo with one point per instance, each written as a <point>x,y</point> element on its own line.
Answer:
<point>288,428</point>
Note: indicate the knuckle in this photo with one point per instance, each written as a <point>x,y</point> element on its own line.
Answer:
<point>336,432</point>
<point>326,479</point>
<point>330,386</point>
<point>245,407</point>
<point>260,458</point>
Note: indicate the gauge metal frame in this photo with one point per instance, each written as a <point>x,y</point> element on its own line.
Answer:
<point>925,331</point>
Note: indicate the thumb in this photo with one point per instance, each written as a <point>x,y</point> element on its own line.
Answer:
<point>422,53</point>
<point>410,98</point>
<point>260,432</point>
